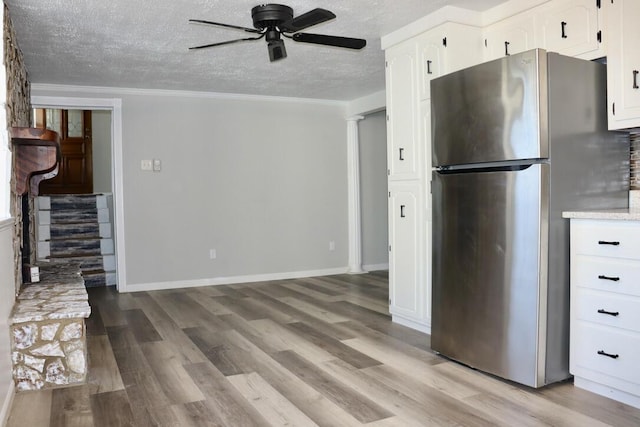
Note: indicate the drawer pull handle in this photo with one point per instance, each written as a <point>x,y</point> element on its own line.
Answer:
<point>610,313</point>
<point>603,353</point>
<point>604,242</point>
<point>613,279</point>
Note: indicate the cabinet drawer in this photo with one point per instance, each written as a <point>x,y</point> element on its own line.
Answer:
<point>618,239</point>
<point>606,274</point>
<point>607,309</point>
<point>592,344</point>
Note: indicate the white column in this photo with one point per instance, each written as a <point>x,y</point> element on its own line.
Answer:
<point>353,175</point>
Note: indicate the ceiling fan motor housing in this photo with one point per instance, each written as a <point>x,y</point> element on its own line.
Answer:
<point>270,15</point>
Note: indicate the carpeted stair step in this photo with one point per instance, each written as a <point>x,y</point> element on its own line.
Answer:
<point>94,262</point>
<point>81,230</point>
<point>94,278</point>
<point>74,216</point>
<point>73,202</point>
<point>75,247</point>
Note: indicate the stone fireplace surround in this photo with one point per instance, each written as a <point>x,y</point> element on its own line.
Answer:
<point>47,324</point>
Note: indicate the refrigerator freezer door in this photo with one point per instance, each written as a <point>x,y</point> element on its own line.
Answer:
<point>491,112</point>
<point>489,277</point>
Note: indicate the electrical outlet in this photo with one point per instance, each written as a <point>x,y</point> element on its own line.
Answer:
<point>332,245</point>
<point>212,254</point>
<point>146,165</point>
<point>157,165</point>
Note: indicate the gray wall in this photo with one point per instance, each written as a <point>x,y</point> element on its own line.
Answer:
<point>263,182</point>
<point>373,189</point>
<point>101,145</point>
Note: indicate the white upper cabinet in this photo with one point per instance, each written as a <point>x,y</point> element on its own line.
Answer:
<point>512,35</point>
<point>623,64</point>
<point>444,49</point>
<point>403,157</point>
<point>568,27</point>
<point>431,59</point>
<point>572,28</point>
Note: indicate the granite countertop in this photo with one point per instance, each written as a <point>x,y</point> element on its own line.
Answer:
<point>619,214</point>
<point>60,294</point>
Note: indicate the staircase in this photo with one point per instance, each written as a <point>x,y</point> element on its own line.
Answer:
<point>77,229</point>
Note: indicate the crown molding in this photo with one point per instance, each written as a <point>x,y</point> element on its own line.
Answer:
<point>119,91</point>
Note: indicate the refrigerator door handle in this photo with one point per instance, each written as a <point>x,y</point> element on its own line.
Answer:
<point>448,170</point>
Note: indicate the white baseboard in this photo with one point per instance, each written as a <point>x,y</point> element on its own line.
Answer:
<point>6,405</point>
<point>376,267</point>
<point>606,391</point>
<point>140,287</point>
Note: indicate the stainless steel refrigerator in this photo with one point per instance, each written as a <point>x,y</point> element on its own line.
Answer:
<point>515,142</point>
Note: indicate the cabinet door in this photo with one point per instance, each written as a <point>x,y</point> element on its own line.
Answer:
<point>431,60</point>
<point>509,36</point>
<point>402,130</point>
<point>623,64</point>
<point>463,46</point>
<point>444,49</point>
<point>571,28</point>
<point>406,262</point>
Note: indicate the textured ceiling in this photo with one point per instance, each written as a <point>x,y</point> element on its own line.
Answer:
<point>144,44</point>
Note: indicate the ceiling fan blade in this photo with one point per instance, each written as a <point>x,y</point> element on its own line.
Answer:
<point>306,20</point>
<point>348,42</point>
<point>236,27</point>
<point>227,42</point>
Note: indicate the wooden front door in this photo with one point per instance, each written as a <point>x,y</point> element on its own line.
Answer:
<point>75,174</point>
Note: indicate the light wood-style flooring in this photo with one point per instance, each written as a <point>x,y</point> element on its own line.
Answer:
<point>304,352</point>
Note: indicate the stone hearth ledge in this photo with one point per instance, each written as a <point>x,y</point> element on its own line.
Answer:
<point>59,295</point>
<point>48,331</point>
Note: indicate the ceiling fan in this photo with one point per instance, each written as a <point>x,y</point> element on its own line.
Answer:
<point>271,21</point>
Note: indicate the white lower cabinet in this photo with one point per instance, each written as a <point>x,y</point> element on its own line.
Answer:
<point>409,266</point>
<point>604,353</point>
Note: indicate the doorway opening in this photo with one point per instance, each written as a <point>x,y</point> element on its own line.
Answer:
<point>106,159</point>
